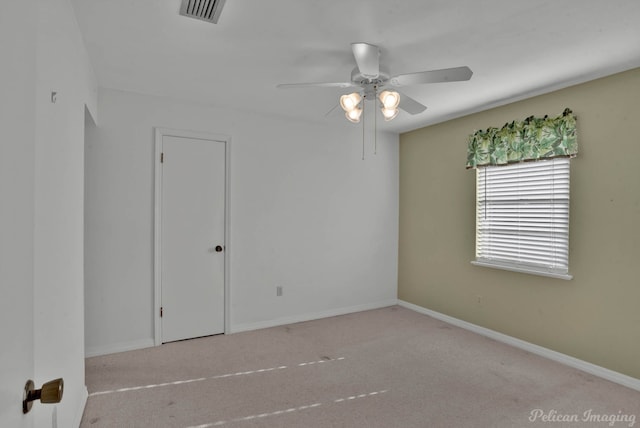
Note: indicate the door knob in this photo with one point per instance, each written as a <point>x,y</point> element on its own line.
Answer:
<point>51,392</point>
<point>218,248</point>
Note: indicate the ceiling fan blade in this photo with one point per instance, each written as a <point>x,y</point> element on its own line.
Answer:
<point>331,111</point>
<point>316,84</point>
<point>410,105</point>
<point>368,59</point>
<point>433,76</point>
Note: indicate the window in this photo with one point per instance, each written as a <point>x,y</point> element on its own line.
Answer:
<point>522,217</point>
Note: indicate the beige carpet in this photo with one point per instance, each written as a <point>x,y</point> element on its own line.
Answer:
<point>388,368</point>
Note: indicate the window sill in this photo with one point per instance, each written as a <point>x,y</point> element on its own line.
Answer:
<point>522,269</point>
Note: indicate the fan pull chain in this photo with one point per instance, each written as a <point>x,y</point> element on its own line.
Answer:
<point>375,126</point>
<point>363,116</point>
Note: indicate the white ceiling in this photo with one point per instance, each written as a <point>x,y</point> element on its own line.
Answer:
<point>516,49</point>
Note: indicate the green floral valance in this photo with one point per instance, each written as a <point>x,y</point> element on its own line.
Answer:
<point>534,138</point>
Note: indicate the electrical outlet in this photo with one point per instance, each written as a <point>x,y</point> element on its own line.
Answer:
<point>279,290</point>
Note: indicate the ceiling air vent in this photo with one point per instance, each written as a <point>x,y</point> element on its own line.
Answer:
<point>205,10</point>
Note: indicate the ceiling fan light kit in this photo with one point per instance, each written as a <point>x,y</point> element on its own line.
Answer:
<point>354,114</point>
<point>389,99</point>
<point>350,101</point>
<point>372,79</point>
<point>389,113</point>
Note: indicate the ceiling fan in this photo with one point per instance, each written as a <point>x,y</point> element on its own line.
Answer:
<point>372,80</point>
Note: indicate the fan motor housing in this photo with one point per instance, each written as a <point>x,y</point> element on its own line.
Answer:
<point>359,79</point>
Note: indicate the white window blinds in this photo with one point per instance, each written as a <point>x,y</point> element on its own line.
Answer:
<point>522,217</point>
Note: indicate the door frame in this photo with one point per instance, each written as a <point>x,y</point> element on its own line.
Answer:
<point>157,231</point>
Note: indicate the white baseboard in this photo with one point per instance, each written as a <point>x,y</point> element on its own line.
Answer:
<point>310,317</point>
<point>619,378</point>
<point>118,347</point>
<point>147,343</point>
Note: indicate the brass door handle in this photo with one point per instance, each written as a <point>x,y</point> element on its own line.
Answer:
<point>51,392</point>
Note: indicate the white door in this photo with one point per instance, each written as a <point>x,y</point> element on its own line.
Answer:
<point>192,237</point>
<point>17,207</point>
<point>16,278</point>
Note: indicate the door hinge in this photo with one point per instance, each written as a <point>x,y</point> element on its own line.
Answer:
<point>161,157</point>
<point>161,311</point>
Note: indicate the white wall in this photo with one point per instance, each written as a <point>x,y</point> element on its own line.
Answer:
<point>306,213</point>
<point>63,67</point>
<point>17,145</point>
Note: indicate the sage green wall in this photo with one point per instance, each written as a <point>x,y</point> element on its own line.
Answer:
<point>594,317</point>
